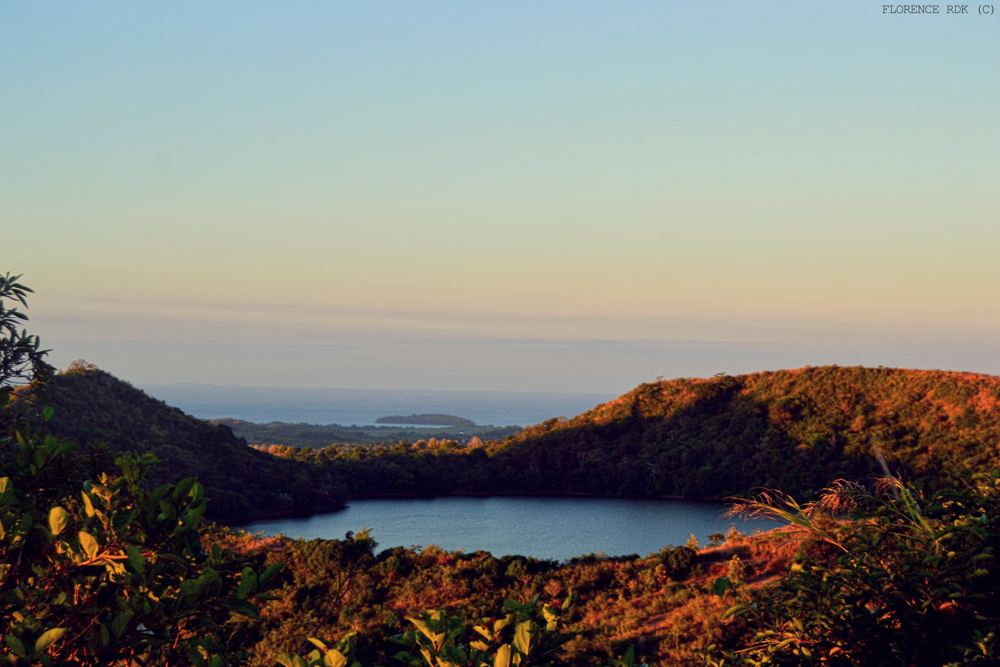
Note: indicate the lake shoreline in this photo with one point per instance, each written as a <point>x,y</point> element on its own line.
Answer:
<point>545,527</point>
<point>278,516</point>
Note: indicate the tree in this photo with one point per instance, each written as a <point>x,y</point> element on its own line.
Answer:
<point>21,357</point>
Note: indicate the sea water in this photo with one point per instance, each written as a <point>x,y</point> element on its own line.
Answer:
<point>362,407</point>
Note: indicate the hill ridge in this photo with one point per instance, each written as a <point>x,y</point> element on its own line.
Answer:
<point>91,405</point>
<point>926,421</point>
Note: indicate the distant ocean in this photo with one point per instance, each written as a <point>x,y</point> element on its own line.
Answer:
<point>361,407</point>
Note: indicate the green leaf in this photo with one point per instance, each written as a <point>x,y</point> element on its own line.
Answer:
<point>629,658</point>
<point>191,517</point>
<point>16,646</point>
<point>47,413</point>
<point>423,627</point>
<point>59,520</point>
<point>782,644</point>
<point>549,614</point>
<point>266,597</point>
<point>136,559</point>
<point>88,505</point>
<point>334,658</point>
<point>120,622</point>
<point>48,638</point>
<point>720,586</point>
<point>156,496</point>
<point>182,489</point>
<point>512,605</point>
<point>241,607</point>
<point>89,544</point>
<point>268,574</point>
<point>248,583</point>
<point>736,610</point>
<point>502,658</point>
<point>120,520</point>
<point>208,583</point>
<point>523,634</point>
<point>290,660</point>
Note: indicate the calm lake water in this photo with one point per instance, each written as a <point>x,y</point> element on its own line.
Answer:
<point>557,528</point>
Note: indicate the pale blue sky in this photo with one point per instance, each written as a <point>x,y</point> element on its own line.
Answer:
<point>539,195</point>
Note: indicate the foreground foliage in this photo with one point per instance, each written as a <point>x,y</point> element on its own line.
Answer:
<point>97,571</point>
<point>911,579</point>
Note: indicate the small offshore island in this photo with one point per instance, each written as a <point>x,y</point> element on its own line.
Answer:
<point>426,420</point>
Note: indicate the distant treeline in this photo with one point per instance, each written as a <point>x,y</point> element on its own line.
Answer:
<point>316,436</point>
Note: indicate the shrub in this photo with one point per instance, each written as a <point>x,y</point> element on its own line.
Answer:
<point>913,581</point>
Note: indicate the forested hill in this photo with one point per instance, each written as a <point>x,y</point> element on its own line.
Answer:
<point>794,430</point>
<point>242,483</point>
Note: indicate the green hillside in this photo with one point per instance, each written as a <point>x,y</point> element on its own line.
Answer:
<point>241,483</point>
<point>794,430</point>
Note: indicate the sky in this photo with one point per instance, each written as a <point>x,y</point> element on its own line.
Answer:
<point>538,196</point>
